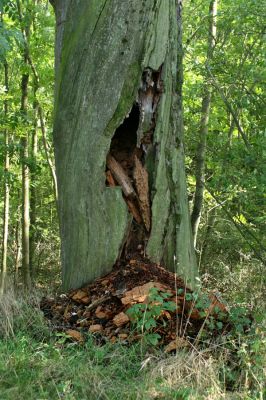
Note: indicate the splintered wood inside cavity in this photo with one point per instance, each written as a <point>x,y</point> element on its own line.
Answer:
<point>125,162</point>
<point>121,164</point>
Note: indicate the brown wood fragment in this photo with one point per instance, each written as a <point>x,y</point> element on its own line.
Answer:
<point>175,344</point>
<point>120,176</point>
<point>75,335</point>
<point>141,180</point>
<point>110,179</point>
<point>95,328</point>
<point>102,314</point>
<point>85,300</point>
<point>120,319</point>
<point>79,295</point>
<point>134,211</point>
<point>140,294</point>
<point>97,302</point>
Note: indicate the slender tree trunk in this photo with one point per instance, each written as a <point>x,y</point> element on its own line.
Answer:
<point>210,225</point>
<point>25,226</point>
<point>6,191</point>
<point>203,131</point>
<point>231,130</point>
<point>33,187</point>
<point>115,96</point>
<point>17,251</point>
<point>25,186</point>
<point>48,158</point>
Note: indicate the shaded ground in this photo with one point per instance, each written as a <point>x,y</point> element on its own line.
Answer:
<point>105,306</point>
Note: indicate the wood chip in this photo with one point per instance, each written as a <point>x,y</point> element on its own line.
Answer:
<point>85,300</point>
<point>140,294</point>
<point>101,314</point>
<point>178,343</point>
<point>75,335</point>
<point>95,328</point>
<point>79,295</point>
<point>120,319</point>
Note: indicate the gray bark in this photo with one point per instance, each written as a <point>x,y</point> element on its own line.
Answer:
<point>103,48</point>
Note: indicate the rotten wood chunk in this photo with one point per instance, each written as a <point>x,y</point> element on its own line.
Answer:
<point>75,335</point>
<point>102,314</point>
<point>177,343</point>
<point>120,319</point>
<point>141,180</point>
<point>79,295</point>
<point>134,211</point>
<point>120,176</point>
<point>95,328</point>
<point>110,179</point>
<point>130,283</point>
<point>140,294</point>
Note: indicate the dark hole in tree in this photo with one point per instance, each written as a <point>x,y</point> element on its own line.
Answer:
<point>124,149</point>
<point>124,142</point>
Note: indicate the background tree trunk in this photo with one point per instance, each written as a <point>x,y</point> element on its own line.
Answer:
<point>203,130</point>
<point>116,84</point>
<point>24,154</point>
<point>33,188</point>
<point>6,191</point>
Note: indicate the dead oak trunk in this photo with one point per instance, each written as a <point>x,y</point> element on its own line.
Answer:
<point>115,94</point>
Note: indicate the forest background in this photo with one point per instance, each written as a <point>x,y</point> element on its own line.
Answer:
<point>224,116</point>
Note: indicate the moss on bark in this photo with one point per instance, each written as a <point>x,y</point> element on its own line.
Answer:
<point>106,46</point>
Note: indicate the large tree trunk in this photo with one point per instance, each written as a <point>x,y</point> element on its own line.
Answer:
<point>116,83</point>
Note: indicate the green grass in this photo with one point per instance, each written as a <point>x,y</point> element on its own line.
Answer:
<point>33,370</point>
<point>37,364</point>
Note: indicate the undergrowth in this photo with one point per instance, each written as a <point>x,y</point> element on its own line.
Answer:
<point>35,363</point>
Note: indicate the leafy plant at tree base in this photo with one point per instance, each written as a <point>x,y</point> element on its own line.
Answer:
<point>146,317</point>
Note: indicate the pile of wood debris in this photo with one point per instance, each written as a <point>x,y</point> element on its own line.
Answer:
<point>101,307</point>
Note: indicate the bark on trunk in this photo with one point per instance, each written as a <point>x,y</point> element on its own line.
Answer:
<point>203,131</point>
<point>6,192</point>
<point>33,191</point>
<point>115,93</point>
<point>24,155</point>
